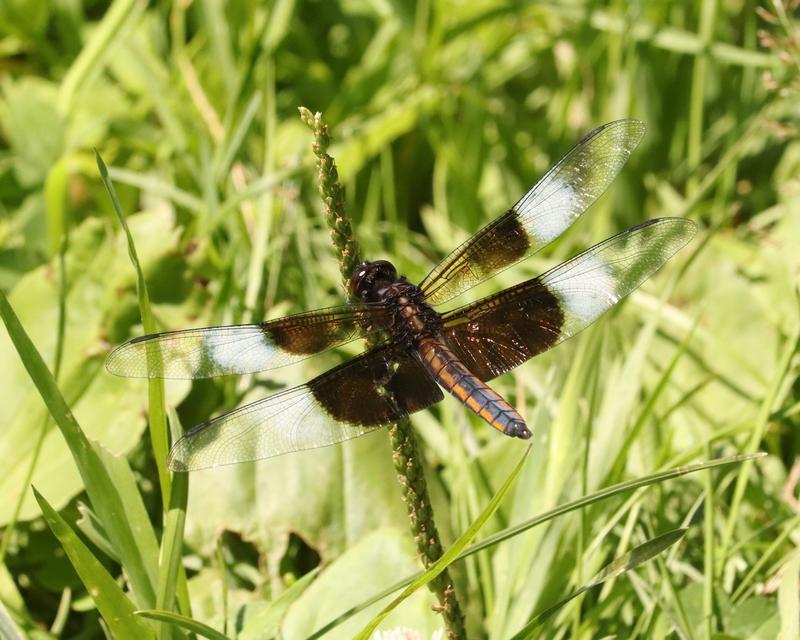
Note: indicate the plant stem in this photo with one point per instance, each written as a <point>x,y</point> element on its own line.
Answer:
<point>407,460</point>
<point>332,192</point>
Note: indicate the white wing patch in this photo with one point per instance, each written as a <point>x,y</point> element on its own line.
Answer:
<point>548,225</point>
<point>234,354</point>
<point>586,291</point>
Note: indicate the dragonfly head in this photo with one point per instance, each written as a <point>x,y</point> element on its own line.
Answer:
<point>369,278</point>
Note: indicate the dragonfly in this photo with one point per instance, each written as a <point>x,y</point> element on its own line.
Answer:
<point>417,352</point>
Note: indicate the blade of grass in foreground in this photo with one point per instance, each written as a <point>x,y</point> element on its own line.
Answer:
<point>171,573</point>
<point>449,556</point>
<point>625,562</point>
<point>156,413</point>
<point>789,599</point>
<point>8,628</point>
<point>108,503</point>
<point>190,624</point>
<point>159,188</point>
<point>760,425</point>
<point>171,578</point>
<point>112,603</point>
<point>510,532</point>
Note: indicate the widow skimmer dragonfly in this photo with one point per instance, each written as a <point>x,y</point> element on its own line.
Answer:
<point>420,351</point>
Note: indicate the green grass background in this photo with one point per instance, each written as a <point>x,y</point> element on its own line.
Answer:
<point>442,114</point>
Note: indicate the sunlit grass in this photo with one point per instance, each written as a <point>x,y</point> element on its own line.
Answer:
<point>442,115</point>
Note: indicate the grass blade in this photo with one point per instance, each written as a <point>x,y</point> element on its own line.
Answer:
<point>157,417</point>
<point>183,622</point>
<point>789,598</point>
<point>603,494</point>
<point>227,155</point>
<point>759,428</point>
<point>174,493</point>
<point>134,513</point>
<point>112,603</point>
<point>8,628</point>
<point>449,556</point>
<point>103,37</point>
<point>104,495</point>
<point>625,562</point>
<point>171,570</point>
<point>580,503</point>
<point>153,185</point>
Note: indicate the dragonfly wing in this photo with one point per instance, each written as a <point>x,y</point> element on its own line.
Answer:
<point>240,349</point>
<point>361,395</point>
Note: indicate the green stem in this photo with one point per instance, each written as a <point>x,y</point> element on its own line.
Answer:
<point>697,101</point>
<point>332,193</point>
<point>406,456</point>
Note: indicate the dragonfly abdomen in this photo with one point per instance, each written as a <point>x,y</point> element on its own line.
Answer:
<point>473,393</point>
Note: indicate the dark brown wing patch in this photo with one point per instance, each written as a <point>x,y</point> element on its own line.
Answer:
<point>239,349</point>
<point>541,215</point>
<point>382,386</point>
<point>355,398</point>
<point>499,333</point>
<point>310,333</point>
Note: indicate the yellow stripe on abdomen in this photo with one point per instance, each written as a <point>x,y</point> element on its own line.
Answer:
<point>476,395</point>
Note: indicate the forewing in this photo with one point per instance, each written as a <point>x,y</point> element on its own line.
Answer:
<point>541,215</point>
<point>502,331</point>
<point>239,349</point>
<point>355,398</point>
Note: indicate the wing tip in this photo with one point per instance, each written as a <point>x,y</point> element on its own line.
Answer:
<point>116,366</point>
<point>176,459</point>
<point>177,466</point>
<point>112,363</point>
<point>688,227</point>
<point>636,128</point>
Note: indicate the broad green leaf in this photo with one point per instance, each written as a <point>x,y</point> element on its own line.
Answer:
<point>756,618</point>
<point>24,18</point>
<point>28,107</point>
<point>216,599</point>
<point>374,561</point>
<point>112,603</point>
<point>265,620</point>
